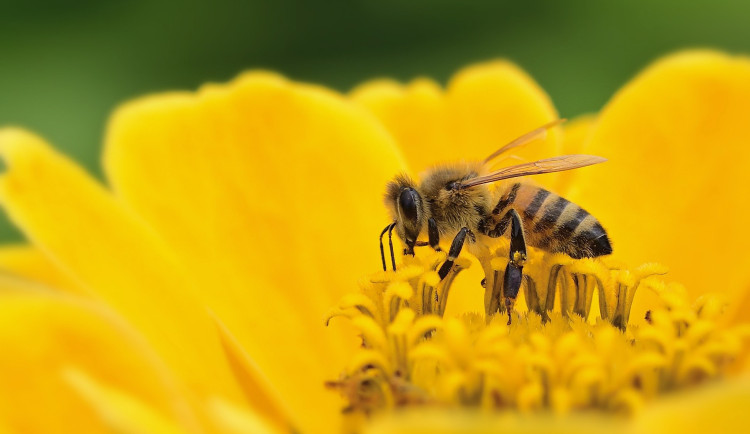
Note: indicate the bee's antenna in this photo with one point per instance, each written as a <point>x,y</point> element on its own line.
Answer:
<point>390,244</point>
<point>382,252</point>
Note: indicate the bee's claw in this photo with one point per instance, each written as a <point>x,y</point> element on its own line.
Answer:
<point>509,302</point>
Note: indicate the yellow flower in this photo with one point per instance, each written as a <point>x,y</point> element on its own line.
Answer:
<point>189,295</point>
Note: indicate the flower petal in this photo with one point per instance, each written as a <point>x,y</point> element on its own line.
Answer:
<point>673,189</point>
<point>41,333</point>
<point>231,419</point>
<point>120,411</point>
<point>261,395</point>
<point>416,115</point>
<point>114,255</point>
<point>484,107</point>
<point>576,133</point>
<point>270,192</point>
<point>466,422</point>
<point>718,407</point>
<point>30,263</point>
<point>715,408</point>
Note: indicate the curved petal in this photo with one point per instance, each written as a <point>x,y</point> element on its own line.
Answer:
<point>262,396</point>
<point>484,107</point>
<point>121,412</point>
<point>270,192</point>
<point>467,422</point>
<point>576,132</point>
<point>673,190</point>
<point>113,254</point>
<point>714,408</point>
<point>30,263</point>
<point>417,117</point>
<point>43,333</point>
<point>231,419</point>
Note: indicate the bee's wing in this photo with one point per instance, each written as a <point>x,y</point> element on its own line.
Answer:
<point>548,165</point>
<point>532,135</point>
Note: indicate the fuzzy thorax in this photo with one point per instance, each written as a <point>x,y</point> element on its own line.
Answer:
<point>438,197</point>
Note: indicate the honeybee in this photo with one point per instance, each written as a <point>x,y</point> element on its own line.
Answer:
<point>454,200</point>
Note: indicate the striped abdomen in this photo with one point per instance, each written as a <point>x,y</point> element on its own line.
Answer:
<point>550,222</point>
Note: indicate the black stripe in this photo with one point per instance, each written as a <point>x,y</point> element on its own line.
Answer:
<point>535,204</point>
<point>590,243</point>
<point>566,230</point>
<point>596,230</point>
<point>601,246</point>
<point>544,243</point>
<point>501,226</point>
<point>551,214</point>
<point>506,201</point>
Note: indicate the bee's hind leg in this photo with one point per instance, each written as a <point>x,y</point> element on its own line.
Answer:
<point>517,257</point>
<point>454,251</point>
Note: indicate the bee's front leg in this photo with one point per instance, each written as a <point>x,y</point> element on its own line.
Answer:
<point>454,251</point>
<point>433,234</point>
<point>514,269</point>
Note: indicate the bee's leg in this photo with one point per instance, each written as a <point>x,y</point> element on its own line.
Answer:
<point>382,251</point>
<point>390,244</point>
<point>498,229</point>
<point>433,234</point>
<point>514,269</point>
<point>453,253</point>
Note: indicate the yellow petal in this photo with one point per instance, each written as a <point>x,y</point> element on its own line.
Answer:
<point>120,412</point>
<point>466,422</point>
<point>114,255</point>
<point>673,190</point>
<point>30,263</point>
<point>271,193</point>
<point>43,333</point>
<point>576,133</point>
<point>484,107</point>
<point>235,420</point>
<point>417,117</point>
<point>715,408</point>
<point>260,394</point>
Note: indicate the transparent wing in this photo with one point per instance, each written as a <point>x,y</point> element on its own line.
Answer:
<point>548,165</point>
<point>532,135</point>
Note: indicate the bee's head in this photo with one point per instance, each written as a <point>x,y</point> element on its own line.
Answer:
<point>407,210</point>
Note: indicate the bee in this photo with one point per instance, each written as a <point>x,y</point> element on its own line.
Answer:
<point>455,201</point>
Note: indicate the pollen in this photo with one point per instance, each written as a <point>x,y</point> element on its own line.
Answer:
<point>569,347</point>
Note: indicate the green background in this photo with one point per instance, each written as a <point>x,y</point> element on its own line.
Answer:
<point>64,66</point>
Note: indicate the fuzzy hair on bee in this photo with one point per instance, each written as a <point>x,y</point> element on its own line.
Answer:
<point>453,200</point>
<point>438,197</point>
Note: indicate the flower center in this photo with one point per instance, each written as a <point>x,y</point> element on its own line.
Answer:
<point>560,352</point>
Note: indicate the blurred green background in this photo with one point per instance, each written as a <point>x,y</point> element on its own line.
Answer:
<point>65,65</point>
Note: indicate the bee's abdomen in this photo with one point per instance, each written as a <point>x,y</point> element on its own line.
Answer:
<point>553,223</point>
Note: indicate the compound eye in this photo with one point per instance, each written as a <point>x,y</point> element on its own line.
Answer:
<point>408,201</point>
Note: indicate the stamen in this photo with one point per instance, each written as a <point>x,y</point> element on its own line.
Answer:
<point>563,352</point>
